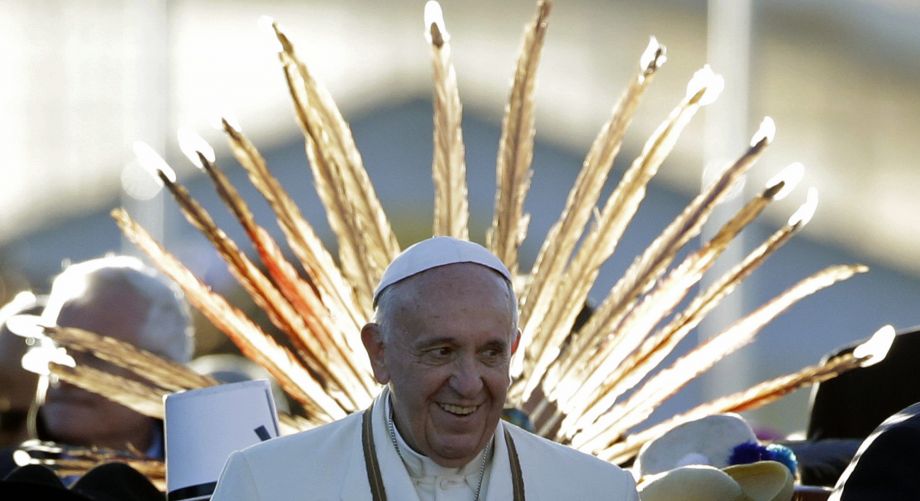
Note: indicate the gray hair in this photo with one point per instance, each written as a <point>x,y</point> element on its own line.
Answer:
<point>166,330</point>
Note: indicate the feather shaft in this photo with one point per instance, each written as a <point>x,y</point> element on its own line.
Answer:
<point>252,341</point>
<point>451,207</point>
<point>515,150</point>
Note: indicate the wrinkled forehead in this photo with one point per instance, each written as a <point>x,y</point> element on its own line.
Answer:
<point>457,278</point>
<point>473,288</point>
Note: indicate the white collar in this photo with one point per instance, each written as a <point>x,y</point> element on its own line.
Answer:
<point>496,485</point>
<point>420,466</point>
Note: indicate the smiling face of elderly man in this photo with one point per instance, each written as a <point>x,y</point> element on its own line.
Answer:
<point>443,341</point>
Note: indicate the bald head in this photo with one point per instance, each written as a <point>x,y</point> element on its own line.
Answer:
<point>120,297</point>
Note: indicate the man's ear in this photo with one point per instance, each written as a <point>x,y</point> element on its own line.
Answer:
<point>373,344</point>
<point>517,340</point>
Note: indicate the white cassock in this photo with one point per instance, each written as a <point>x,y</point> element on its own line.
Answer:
<point>328,463</point>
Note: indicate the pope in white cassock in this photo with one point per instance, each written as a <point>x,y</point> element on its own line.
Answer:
<point>441,341</point>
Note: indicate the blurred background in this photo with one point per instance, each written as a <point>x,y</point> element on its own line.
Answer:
<point>81,81</point>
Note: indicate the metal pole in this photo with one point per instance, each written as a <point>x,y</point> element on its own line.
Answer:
<point>150,121</point>
<point>727,132</point>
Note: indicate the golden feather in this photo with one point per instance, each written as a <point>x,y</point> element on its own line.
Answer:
<point>758,395</point>
<point>140,397</point>
<point>560,242</point>
<point>451,208</point>
<point>337,295</point>
<point>271,301</point>
<point>605,363</point>
<point>366,241</point>
<point>305,308</point>
<point>69,460</point>
<point>515,149</point>
<point>617,349</point>
<point>251,340</point>
<point>666,383</point>
<point>550,331</point>
<point>654,349</point>
<point>648,267</point>
<point>165,374</point>
<point>327,175</point>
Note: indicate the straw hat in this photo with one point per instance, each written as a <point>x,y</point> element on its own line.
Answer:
<point>760,481</point>
<point>706,441</point>
<point>691,483</point>
<point>763,480</point>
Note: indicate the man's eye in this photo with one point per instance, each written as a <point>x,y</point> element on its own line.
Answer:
<point>442,352</point>
<point>492,356</point>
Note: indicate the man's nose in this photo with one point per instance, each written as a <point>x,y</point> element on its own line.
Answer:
<point>467,378</point>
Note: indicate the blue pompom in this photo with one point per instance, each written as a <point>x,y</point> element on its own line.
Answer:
<point>782,454</point>
<point>747,452</point>
<point>751,452</point>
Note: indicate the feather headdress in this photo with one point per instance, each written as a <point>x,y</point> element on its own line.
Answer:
<point>593,388</point>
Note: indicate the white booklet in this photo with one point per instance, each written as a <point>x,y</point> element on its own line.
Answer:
<point>204,426</point>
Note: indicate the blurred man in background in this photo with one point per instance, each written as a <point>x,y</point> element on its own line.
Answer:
<point>119,297</point>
